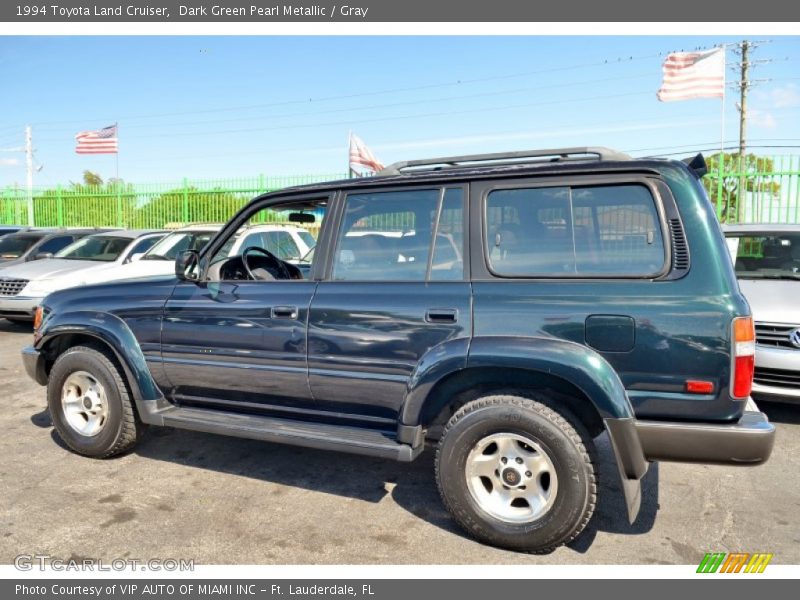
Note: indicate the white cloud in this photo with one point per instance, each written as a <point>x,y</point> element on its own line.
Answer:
<point>9,162</point>
<point>787,96</point>
<point>761,118</point>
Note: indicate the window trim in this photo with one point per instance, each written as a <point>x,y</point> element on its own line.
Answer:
<point>570,183</point>
<point>441,189</point>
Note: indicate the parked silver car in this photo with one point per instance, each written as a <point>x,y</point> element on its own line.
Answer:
<point>24,286</point>
<point>767,262</point>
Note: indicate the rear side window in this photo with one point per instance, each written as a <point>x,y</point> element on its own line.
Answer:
<point>144,245</point>
<point>55,244</point>
<point>609,230</point>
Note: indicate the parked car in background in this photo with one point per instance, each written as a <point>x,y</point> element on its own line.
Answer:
<point>287,242</point>
<point>35,244</point>
<point>6,229</point>
<point>23,286</point>
<point>158,260</point>
<point>767,265</point>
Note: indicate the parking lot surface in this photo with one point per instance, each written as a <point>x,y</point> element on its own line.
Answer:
<point>221,500</point>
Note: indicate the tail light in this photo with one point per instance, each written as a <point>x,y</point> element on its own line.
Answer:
<point>744,350</point>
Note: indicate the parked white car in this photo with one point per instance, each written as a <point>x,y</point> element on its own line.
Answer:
<point>24,286</point>
<point>159,259</point>
<point>287,242</point>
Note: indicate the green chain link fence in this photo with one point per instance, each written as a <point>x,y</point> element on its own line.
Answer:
<point>771,195</point>
<point>142,206</point>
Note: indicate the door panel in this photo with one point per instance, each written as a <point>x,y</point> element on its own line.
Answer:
<point>238,341</point>
<point>366,339</point>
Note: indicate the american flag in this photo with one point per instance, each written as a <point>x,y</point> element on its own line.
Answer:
<point>361,155</point>
<point>102,141</point>
<point>690,75</point>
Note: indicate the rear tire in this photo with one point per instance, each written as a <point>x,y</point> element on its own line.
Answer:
<point>90,405</point>
<point>516,473</point>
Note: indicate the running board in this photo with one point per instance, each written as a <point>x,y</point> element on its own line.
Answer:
<point>323,436</point>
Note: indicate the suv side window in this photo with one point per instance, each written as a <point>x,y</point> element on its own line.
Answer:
<point>604,230</point>
<point>144,245</point>
<point>55,244</point>
<point>387,236</point>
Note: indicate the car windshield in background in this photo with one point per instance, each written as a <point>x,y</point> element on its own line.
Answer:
<point>766,256</point>
<point>307,238</point>
<point>103,248</point>
<point>14,246</point>
<point>175,243</point>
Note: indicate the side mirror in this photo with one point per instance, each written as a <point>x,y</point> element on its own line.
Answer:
<point>42,255</point>
<point>187,265</point>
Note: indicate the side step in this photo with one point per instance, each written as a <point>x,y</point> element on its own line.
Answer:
<point>324,436</point>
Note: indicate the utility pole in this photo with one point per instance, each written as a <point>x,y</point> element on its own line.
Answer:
<point>744,83</point>
<point>743,48</point>
<point>29,164</point>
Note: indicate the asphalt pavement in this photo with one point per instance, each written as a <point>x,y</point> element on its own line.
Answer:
<point>222,500</point>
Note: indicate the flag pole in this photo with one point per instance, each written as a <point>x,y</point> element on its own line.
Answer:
<point>349,141</point>
<point>722,135</point>
<point>116,155</point>
<point>120,220</point>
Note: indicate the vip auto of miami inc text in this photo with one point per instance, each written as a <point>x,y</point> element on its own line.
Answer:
<point>332,11</point>
<point>202,589</point>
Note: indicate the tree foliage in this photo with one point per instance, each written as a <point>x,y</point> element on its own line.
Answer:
<point>740,178</point>
<point>188,205</point>
<point>88,204</point>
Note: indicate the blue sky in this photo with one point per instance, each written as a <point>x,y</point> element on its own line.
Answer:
<point>225,107</point>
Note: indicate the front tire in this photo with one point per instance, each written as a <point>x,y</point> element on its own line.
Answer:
<point>517,474</point>
<point>90,405</point>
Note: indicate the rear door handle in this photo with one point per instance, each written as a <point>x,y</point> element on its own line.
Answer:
<point>283,312</point>
<point>441,315</point>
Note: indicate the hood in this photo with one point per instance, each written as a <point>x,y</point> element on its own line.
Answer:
<point>111,272</point>
<point>9,262</point>
<point>48,268</point>
<point>771,300</point>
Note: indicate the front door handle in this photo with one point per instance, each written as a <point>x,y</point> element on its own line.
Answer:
<point>441,315</point>
<point>284,312</point>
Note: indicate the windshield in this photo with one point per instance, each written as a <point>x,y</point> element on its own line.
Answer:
<point>104,248</point>
<point>309,257</point>
<point>14,246</point>
<point>766,255</point>
<point>307,238</point>
<point>175,243</point>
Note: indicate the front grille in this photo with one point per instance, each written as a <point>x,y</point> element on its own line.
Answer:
<point>777,377</point>
<point>11,287</point>
<point>776,335</point>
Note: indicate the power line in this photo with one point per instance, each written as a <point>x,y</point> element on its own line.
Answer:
<point>458,82</point>
<point>404,103</point>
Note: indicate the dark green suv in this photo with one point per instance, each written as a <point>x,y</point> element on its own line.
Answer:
<point>505,308</point>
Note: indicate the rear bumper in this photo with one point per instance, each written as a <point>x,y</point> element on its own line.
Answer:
<point>748,441</point>
<point>636,443</point>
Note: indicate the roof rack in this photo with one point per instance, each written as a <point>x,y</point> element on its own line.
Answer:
<point>505,158</point>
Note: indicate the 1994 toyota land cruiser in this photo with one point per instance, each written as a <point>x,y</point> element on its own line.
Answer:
<point>507,307</point>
